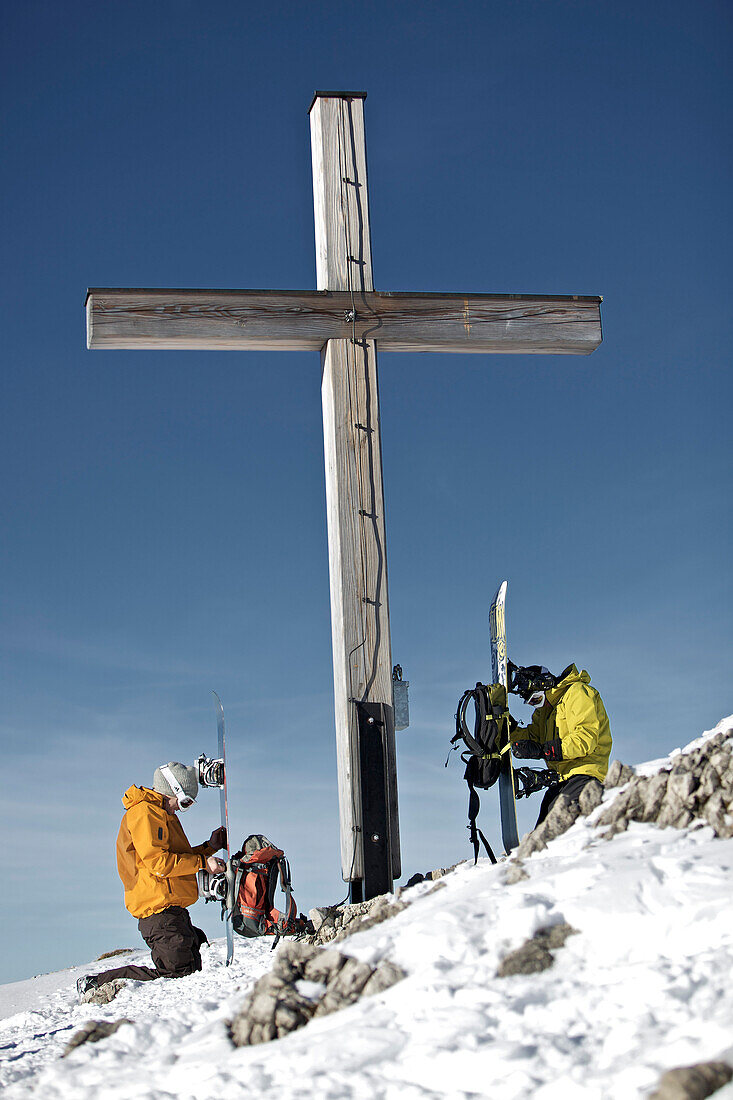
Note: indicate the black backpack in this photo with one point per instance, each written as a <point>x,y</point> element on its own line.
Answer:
<point>485,748</point>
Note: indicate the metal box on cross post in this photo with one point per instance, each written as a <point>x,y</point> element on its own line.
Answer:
<point>400,699</point>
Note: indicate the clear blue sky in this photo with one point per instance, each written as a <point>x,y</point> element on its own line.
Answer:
<point>164,514</point>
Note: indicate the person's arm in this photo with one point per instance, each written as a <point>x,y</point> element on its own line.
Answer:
<point>527,740</point>
<point>583,730</point>
<point>206,849</point>
<point>217,840</point>
<point>149,834</point>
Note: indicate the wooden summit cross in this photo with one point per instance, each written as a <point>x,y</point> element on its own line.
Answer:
<point>345,319</point>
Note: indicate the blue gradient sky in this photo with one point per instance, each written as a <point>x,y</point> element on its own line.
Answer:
<point>164,514</point>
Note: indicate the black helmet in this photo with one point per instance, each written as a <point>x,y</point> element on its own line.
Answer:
<point>530,682</point>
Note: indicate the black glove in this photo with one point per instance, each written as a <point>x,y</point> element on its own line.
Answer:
<point>218,838</point>
<point>552,750</point>
<point>526,750</point>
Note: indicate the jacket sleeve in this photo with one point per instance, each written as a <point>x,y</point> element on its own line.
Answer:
<point>149,834</point>
<point>204,849</point>
<point>583,727</point>
<point>536,729</point>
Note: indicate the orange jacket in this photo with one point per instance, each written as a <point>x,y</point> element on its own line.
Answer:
<point>156,863</point>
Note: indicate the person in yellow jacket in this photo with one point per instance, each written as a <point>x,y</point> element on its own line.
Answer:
<point>569,729</point>
<point>158,866</point>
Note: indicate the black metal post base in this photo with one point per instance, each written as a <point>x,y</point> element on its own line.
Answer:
<point>374,721</point>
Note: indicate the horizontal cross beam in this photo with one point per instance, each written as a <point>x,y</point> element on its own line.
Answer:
<point>294,320</point>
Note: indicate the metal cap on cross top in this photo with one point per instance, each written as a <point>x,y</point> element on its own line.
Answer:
<point>336,95</point>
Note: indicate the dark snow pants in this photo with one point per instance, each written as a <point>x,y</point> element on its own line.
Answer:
<point>174,943</point>
<point>571,789</point>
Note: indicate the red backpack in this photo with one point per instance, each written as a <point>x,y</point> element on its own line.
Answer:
<point>257,868</point>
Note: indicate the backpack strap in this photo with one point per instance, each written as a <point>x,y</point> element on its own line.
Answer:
<point>474,805</point>
<point>477,743</point>
<point>239,872</point>
<point>287,890</point>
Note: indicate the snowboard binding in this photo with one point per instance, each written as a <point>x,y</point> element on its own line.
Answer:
<point>212,887</point>
<point>211,772</point>
<point>533,780</point>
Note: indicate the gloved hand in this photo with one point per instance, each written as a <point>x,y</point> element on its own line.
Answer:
<point>218,838</point>
<point>552,750</point>
<point>526,750</point>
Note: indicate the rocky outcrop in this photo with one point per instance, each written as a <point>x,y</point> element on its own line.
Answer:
<point>697,786</point>
<point>92,1032</point>
<point>103,994</point>
<point>618,774</point>
<point>332,923</point>
<point>514,871</point>
<point>535,954</point>
<point>306,981</point>
<point>432,876</point>
<point>563,814</point>
<point>693,1082</point>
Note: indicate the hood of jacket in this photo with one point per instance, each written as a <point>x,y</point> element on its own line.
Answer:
<point>569,676</point>
<point>134,795</point>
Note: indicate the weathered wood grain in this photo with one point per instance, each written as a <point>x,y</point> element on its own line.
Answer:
<point>362,656</point>
<point>293,320</point>
<point>340,197</point>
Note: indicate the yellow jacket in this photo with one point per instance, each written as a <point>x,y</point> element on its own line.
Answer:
<point>156,863</point>
<point>575,713</point>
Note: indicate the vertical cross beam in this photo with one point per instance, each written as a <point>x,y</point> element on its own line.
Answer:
<point>362,657</point>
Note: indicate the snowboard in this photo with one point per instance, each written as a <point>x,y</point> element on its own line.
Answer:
<point>499,673</point>
<point>224,809</point>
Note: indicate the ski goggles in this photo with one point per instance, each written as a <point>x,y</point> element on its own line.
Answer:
<point>185,802</point>
<point>531,683</point>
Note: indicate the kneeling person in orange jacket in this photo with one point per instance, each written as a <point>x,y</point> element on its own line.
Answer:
<point>158,866</point>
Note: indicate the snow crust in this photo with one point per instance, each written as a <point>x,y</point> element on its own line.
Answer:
<point>643,987</point>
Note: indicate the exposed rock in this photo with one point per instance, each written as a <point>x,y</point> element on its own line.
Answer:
<point>590,798</point>
<point>103,994</point>
<point>382,977</point>
<point>278,1006</point>
<point>618,775</point>
<point>319,915</point>
<point>652,796</point>
<point>92,1032</point>
<point>535,954</point>
<point>333,924</point>
<point>697,786</point>
<point>514,872</point>
<point>432,876</point>
<point>693,1082</point>
<point>440,872</point>
<point>345,987</point>
<point>562,815</point>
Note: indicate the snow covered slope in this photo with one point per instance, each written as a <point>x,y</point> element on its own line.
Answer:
<point>645,985</point>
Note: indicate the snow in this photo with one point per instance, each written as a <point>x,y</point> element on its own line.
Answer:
<point>644,986</point>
